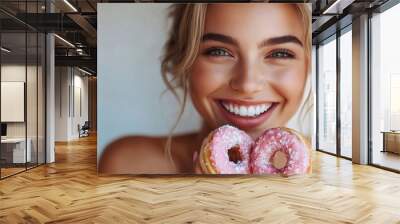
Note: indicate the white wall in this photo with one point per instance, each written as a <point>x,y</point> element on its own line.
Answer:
<point>129,80</point>
<point>61,103</point>
<point>68,81</point>
<point>79,117</point>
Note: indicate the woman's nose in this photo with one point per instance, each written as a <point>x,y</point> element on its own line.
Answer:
<point>247,78</point>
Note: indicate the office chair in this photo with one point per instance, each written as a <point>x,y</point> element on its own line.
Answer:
<point>84,130</point>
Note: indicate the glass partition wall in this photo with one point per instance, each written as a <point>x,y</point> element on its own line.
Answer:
<point>334,94</point>
<point>13,88</point>
<point>22,78</point>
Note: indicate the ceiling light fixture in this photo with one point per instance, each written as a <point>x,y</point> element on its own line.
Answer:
<point>70,5</point>
<point>5,50</point>
<point>337,7</point>
<point>79,51</point>
<point>84,71</point>
<point>326,11</point>
<point>65,41</point>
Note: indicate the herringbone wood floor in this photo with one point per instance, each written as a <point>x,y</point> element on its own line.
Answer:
<point>70,191</point>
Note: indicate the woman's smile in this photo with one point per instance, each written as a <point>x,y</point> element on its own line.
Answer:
<point>246,114</point>
<point>245,109</point>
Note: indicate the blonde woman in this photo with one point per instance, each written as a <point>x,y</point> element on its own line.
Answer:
<point>241,64</point>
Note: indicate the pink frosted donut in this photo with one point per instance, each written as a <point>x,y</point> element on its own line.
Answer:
<point>280,151</point>
<point>226,150</point>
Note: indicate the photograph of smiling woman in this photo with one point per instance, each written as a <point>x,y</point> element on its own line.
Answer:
<point>247,65</point>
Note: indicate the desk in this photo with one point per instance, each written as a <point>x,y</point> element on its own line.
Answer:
<point>15,148</point>
<point>391,141</point>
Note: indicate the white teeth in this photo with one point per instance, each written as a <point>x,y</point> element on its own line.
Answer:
<point>251,111</point>
<point>235,109</point>
<point>231,107</point>
<point>258,109</point>
<point>246,111</point>
<point>243,111</point>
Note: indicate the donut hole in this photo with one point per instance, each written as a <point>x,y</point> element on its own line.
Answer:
<point>280,160</point>
<point>234,154</point>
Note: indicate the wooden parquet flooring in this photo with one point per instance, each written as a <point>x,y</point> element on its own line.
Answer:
<point>70,191</point>
<point>10,171</point>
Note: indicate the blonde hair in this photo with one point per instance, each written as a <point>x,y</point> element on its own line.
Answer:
<point>182,46</point>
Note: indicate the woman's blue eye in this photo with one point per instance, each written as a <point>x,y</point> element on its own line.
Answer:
<point>281,54</point>
<point>217,52</point>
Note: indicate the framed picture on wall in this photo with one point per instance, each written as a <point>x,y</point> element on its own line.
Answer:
<point>12,101</point>
<point>237,81</point>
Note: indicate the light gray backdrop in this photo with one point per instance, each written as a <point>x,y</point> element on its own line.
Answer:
<point>129,40</point>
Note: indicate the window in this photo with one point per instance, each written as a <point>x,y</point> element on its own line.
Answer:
<point>385,89</point>
<point>327,96</point>
<point>346,93</point>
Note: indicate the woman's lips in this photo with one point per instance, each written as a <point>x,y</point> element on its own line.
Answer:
<point>246,115</point>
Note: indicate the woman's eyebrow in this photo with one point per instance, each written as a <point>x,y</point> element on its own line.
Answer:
<point>271,41</point>
<point>220,38</point>
<point>280,40</point>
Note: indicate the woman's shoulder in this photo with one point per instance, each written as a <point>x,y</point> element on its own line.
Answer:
<point>133,154</point>
<point>140,155</point>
